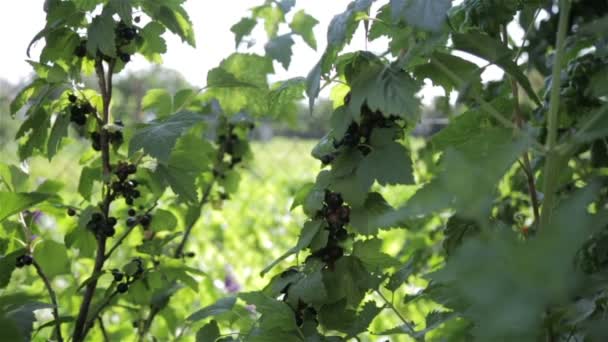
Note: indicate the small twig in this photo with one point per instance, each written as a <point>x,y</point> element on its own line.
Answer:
<point>53,296</point>
<point>102,327</point>
<point>519,121</point>
<point>148,322</point>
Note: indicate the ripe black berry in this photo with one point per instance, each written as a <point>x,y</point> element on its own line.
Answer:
<point>131,169</point>
<point>131,222</point>
<point>145,220</point>
<point>96,217</point>
<point>116,138</point>
<point>341,234</point>
<point>131,212</point>
<point>81,49</point>
<point>27,259</point>
<point>137,19</point>
<point>125,57</point>
<point>129,201</point>
<point>190,255</point>
<point>112,221</point>
<point>117,275</point>
<point>71,212</point>
<point>333,199</point>
<point>135,194</point>
<point>122,288</point>
<point>109,231</point>
<point>72,98</point>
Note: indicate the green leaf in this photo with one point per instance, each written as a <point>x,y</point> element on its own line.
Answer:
<point>492,50</point>
<point>101,35</point>
<point>313,85</point>
<point>182,182</point>
<point>387,89</point>
<point>88,177</point>
<point>424,14</point>
<point>310,229</point>
<point>400,276</point>
<point>158,101</point>
<point>467,71</point>
<point>219,307</point>
<point>177,21</point>
<point>52,257</point>
<point>14,202</point>
<point>208,333</point>
<point>181,98</point>
<point>26,94</point>
<point>275,314</point>
<point>7,266</point>
<point>242,28</point>
<point>279,49</point>
<point>285,97</point>
<point>163,220</point>
<point>122,8</point>
<point>303,24</point>
<point>370,253</point>
<point>456,229</point>
<point>349,279</point>
<point>389,165</point>
<point>364,219</point>
<point>58,132</point>
<point>153,43</point>
<point>272,16</point>
<point>234,97</point>
<point>310,289</point>
<point>158,137</point>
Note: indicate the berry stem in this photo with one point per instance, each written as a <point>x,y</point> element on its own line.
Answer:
<point>49,289</point>
<point>180,248</point>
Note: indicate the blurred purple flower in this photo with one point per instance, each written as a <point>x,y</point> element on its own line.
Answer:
<point>231,284</point>
<point>37,215</point>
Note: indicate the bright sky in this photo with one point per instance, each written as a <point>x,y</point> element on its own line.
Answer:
<point>21,20</point>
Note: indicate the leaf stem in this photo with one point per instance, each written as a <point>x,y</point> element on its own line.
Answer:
<point>180,248</point>
<point>390,305</point>
<point>49,289</point>
<point>553,158</point>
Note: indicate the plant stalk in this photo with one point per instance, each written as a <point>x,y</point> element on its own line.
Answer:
<point>554,159</point>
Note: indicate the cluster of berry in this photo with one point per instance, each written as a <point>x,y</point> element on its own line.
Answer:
<point>115,137</point>
<point>125,34</point>
<point>123,186</point>
<point>303,312</point>
<point>79,110</point>
<point>102,226</point>
<point>134,219</point>
<point>230,148</point>
<point>24,260</point>
<point>337,215</point>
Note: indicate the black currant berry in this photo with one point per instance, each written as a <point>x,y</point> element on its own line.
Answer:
<point>326,159</point>
<point>27,259</point>
<point>72,98</point>
<point>190,255</point>
<point>129,200</point>
<point>125,57</point>
<point>131,222</point>
<point>78,119</point>
<point>112,221</point>
<point>109,231</point>
<point>137,19</point>
<point>19,263</point>
<point>333,199</point>
<point>117,275</point>
<point>96,217</point>
<point>122,288</point>
<point>116,138</point>
<point>81,49</point>
<point>135,194</point>
<point>131,212</point>
<point>341,234</point>
<point>145,220</point>
<point>71,212</point>
<point>131,169</point>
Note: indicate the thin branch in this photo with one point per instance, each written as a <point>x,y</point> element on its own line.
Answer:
<point>53,296</point>
<point>519,121</point>
<point>102,327</point>
<point>148,322</point>
<point>180,248</point>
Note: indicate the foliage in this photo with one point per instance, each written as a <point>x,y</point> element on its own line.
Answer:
<point>492,229</point>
